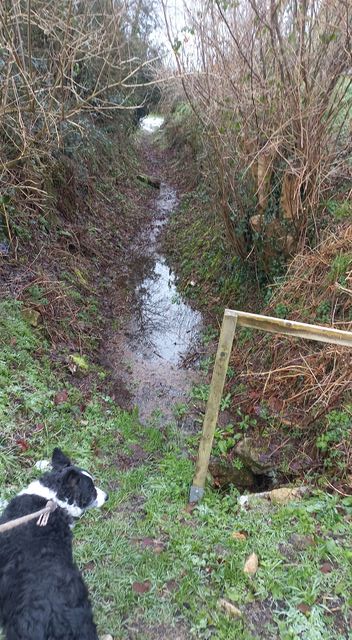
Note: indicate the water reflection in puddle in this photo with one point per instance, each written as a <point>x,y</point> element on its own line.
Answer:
<point>166,324</point>
<point>164,327</point>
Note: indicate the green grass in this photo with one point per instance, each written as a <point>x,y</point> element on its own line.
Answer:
<point>216,278</point>
<point>196,559</point>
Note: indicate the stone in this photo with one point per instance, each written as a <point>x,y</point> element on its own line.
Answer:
<point>282,495</point>
<point>286,494</point>
<point>253,457</point>
<point>43,465</point>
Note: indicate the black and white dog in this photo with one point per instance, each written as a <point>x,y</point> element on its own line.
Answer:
<point>42,593</point>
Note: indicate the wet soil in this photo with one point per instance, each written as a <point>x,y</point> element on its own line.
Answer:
<point>146,354</point>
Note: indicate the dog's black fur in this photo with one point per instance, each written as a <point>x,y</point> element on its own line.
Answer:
<point>42,593</point>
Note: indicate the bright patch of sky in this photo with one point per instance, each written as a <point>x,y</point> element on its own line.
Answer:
<point>178,27</point>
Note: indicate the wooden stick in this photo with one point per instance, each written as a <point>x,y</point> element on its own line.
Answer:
<point>41,514</point>
<point>232,319</point>
<point>227,334</point>
<point>291,328</point>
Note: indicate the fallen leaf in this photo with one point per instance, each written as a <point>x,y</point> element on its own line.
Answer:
<point>326,567</point>
<point>303,608</point>
<point>156,545</point>
<point>23,444</point>
<point>238,535</point>
<point>141,587</point>
<point>254,395</point>
<point>251,565</point>
<point>61,397</point>
<point>189,508</point>
<point>229,608</point>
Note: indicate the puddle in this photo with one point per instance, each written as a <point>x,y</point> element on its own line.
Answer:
<point>150,124</point>
<point>164,327</point>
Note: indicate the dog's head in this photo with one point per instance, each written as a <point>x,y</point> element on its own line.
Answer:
<point>69,486</point>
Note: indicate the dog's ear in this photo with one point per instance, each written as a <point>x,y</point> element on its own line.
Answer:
<point>59,461</point>
<point>71,478</point>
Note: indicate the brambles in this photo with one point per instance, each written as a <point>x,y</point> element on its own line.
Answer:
<point>62,71</point>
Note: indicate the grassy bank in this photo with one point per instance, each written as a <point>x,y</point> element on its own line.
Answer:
<point>154,568</point>
<point>198,248</point>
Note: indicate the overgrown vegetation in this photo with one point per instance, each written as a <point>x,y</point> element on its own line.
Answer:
<point>269,93</point>
<point>65,68</point>
<point>261,114</point>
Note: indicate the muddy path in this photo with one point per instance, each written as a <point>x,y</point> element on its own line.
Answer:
<point>146,354</point>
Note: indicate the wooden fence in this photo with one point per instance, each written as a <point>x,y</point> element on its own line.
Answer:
<point>231,320</point>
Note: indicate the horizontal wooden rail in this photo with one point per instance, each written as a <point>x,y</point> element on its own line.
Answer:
<point>291,328</point>
<point>231,320</point>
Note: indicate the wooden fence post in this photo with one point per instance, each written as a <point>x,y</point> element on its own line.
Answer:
<point>227,334</point>
<point>253,321</point>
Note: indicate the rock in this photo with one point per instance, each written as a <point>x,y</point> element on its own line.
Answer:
<point>253,456</point>
<point>229,608</point>
<point>106,637</point>
<point>276,496</point>
<point>43,465</point>
<point>286,494</point>
<point>32,316</point>
<point>225,473</point>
